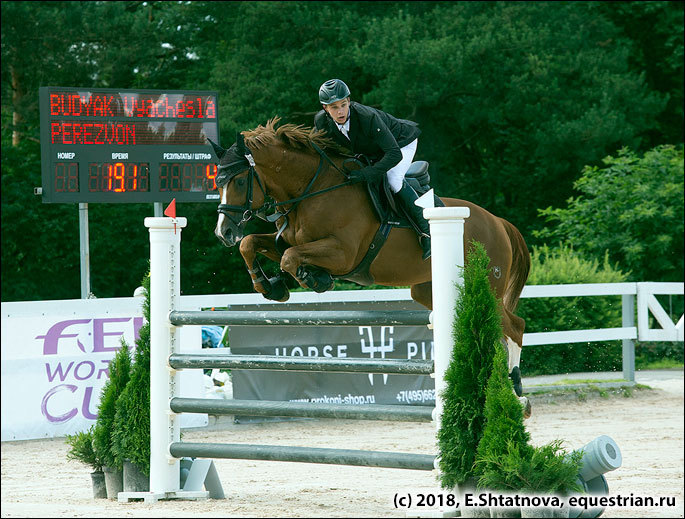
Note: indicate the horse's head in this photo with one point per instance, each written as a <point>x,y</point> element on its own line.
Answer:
<point>291,148</point>
<point>235,181</point>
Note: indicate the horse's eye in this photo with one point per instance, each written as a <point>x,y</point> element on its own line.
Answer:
<point>240,182</point>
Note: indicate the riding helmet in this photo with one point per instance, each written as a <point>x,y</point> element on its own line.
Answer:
<point>333,90</point>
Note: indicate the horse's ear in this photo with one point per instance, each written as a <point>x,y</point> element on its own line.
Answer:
<point>240,142</point>
<point>217,149</point>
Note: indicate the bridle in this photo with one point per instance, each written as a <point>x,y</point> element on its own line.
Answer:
<point>269,210</point>
<point>229,172</point>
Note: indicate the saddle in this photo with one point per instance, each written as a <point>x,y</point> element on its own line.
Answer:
<point>390,215</point>
<point>383,200</point>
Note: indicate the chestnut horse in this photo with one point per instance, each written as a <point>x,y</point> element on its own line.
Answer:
<point>326,225</point>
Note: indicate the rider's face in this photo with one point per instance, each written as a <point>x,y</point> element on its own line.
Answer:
<point>339,110</point>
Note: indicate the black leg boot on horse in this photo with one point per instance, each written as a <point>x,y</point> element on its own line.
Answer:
<point>407,196</point>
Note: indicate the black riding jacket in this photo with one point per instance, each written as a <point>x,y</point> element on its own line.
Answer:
<point>374,133</point>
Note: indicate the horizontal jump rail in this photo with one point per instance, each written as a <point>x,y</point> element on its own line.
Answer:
<point>273,362</point>
<point>300,318</point>
<point>391,460</point>
<point>391,413</point>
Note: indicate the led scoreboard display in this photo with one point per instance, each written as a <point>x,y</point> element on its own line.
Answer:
<point>115,145</point>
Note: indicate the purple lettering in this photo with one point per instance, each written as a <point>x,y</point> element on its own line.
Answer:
<point>85,410</point>
<point>89,373</point>
<point>58,371</point>
<point>105,371</point>
<point>99,333</point>
<point>137,325</point>
<point>55,334</point>
<point>44,405</point>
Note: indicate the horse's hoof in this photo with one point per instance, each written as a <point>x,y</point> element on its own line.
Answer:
<point>515,377</point>
<point>525,403</point>
<point>277,290</point>
<point>315,278</point>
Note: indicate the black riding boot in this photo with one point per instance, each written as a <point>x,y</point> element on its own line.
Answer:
<point>407,196</point>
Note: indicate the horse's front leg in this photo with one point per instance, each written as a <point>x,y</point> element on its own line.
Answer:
<point>311,263</point>
<point>265,244</point>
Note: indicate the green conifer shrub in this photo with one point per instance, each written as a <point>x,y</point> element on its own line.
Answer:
<point>131,432</point>
<point>504,428</point>
<point>477,334</point>
<point>505,461</point>
<point>548,469</point>
<point>82,449</point>
<point>119,372</point>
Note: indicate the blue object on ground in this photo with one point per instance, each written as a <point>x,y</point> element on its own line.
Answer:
<point>211,336</point>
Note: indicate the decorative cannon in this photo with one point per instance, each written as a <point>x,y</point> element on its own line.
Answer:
<point>600,456</point>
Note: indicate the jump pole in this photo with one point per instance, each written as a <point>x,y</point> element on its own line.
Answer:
<point>447,237</point>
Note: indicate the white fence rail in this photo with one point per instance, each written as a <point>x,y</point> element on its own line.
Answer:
<point>634,326</point>
<point>646,303</point>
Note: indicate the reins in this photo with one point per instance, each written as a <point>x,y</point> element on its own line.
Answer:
<point>271,204</point>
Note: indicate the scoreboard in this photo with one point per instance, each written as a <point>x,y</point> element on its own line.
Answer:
<point>128,146</point>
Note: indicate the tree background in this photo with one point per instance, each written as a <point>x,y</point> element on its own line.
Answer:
<point>514,100</point>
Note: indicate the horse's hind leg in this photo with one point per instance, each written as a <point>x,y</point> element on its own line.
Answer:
<point>423,294</point>
<point>513,327</point>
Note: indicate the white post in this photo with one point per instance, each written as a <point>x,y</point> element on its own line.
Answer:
<point>165,274</point>
<point>447,262</point>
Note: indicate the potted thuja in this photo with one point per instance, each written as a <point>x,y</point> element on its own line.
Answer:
<point>119,372</point>
<point>530,481</point>
<point>131,430</point>
<point>477,332</point>
<point>82,449</point>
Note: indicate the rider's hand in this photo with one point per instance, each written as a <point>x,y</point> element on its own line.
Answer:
<point>367,174</point>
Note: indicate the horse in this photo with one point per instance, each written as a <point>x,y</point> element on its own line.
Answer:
<point>326,225</point>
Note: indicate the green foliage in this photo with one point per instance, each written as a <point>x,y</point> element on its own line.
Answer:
<point>509,95</point>
<point>513,97</point>
<point>119,372</point>
<point>39,241</point>
<point>632,207</point>
<point>504,428</point>
<point>82,449</point>
<point>658,51</point>
<point>131,430</point>
<point>563,265</point>
<point>477,334</point>
<point>651,355</point>
<point>505,461</point>
<point>534,470</point>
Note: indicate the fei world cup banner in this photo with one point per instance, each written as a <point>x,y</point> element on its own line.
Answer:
<point>370,342</point>
<point>55,360</point>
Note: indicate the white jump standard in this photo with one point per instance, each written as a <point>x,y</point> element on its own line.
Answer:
<point>447,236</point>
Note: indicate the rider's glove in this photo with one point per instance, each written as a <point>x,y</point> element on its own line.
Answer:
<point>367,174</point>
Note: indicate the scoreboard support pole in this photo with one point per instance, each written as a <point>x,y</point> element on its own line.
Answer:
<point>85,249</point>
<point>84,240</point>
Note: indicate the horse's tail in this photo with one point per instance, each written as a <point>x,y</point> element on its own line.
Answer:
<point>520,267</point>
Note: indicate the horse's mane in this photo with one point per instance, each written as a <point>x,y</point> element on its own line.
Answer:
<point>295,136</point>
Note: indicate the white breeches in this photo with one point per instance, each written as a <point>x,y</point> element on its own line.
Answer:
<point>396,174</point>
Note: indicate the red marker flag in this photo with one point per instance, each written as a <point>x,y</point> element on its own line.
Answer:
<point>170,211</point>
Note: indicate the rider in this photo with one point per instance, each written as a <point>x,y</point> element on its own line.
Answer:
<point>389,143</point>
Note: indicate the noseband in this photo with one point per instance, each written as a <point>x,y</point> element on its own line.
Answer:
<point>228,172</point>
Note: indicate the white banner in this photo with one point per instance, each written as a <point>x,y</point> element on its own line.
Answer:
<point>55,359</point>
